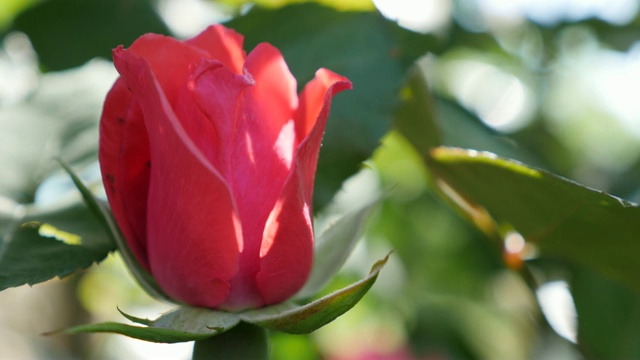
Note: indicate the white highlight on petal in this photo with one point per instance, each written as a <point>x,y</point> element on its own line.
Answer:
<point>284,145</point>
<point>271,229</point>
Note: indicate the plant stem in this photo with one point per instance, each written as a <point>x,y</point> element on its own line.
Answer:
<point>243,342</point>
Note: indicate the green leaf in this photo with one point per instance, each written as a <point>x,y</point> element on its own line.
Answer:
<point>608,316</point>
<point>89,200</point>
<point>183,324</point>
<point>244,341</point>
<point>333,247</point>
<point>26,257</point>
<point>362,46</point>
<point>68,33</point>
<point>312,316</point>
<point>562,219</point>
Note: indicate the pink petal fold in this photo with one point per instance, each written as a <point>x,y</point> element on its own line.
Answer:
<point>222,44</point>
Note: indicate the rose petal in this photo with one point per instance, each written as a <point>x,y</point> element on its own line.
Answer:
<point>262,154</point>
<point>315,103</point>
<point>312,99</point>
<point>193,229</point>
<point>124,145</point>
<point>170,60</point>
<point>256,148</point>
<point>222,44</point>
<point>287,248</point>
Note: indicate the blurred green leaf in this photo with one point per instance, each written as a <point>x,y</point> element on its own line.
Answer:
<point>26,257</point>
<point>312,316</point>
<point>362,46</point>
<point>10,8</point>
<point>608,316</point>
<point>59,119</point>
<point>563,219</point>
<point>415,117</point>
<point>68,33</point>
<point>461,128</point>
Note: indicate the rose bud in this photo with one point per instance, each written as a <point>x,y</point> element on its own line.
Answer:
<point>208,157</point>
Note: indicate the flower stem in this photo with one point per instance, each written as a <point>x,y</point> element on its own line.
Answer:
<point>245,341</point>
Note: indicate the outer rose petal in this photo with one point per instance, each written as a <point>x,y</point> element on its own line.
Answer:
<point>170,60</point>
<point>287,247</point>
<point>315,103</point>
<point>195,238</point>
<point>123,145</point>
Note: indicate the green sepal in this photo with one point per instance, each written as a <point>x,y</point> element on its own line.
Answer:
<point>197,320</point>
<point>193,324</point>
<point>180,325</point>
<point>312,316</point>
<point>101,211</point>
<point>135,319</point>
<point>146,333</point>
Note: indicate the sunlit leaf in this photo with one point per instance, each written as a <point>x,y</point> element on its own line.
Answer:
<point>562,219</point>
<point>29,258</point>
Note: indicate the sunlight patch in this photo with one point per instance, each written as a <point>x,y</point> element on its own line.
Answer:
<point>51,231</point>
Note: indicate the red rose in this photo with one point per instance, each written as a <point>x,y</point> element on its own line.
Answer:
<point>208,158</point>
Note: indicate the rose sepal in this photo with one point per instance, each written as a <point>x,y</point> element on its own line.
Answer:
<point>101,211</point>
<point>307,318</point>
<point>193,324</point>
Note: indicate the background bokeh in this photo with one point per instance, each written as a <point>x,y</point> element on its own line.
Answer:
<point>553,84</point>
